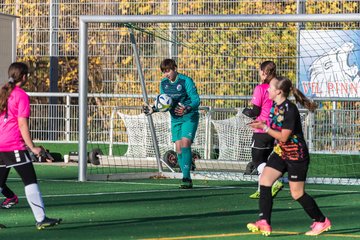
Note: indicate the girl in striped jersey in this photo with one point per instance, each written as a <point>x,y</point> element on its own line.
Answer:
<point>290,155</point>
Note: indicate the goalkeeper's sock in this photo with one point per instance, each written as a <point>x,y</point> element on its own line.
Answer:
<point>35,201</point>
<point>187,160</point>
<point>180,161</point>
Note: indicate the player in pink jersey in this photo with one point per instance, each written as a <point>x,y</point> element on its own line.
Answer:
<point>15,137</point>
<point>262,143</point>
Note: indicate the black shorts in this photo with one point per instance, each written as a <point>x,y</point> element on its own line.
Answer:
<point>261,148</point>
<point>297,170</point>
<point>14,158</point>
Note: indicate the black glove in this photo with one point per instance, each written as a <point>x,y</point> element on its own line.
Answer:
<point>181,109</point>
<point>249,113</point>
<point>147,109</point>
<point>45,155</point>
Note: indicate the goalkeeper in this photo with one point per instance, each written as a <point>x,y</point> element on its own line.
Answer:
<point>184,114</point>
<point>262,143</point>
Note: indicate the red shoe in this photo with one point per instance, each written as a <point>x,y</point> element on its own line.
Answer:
<point>319,227</point>
<point>260,226</point>
<point>9,202</point>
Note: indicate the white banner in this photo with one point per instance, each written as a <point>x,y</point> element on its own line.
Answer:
<point>330,63</point>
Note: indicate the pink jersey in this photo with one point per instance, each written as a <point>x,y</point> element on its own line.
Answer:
<point>261,99</point>
<point>18,106</point>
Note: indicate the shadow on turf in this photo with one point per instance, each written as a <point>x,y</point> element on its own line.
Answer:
<point>81,200</point>
<point>344,231</point>
<point>172,218</point>
<point>320,195</point>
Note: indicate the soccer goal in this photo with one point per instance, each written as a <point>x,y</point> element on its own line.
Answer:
<point>221,53</point>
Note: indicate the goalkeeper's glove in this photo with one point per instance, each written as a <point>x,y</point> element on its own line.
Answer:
<point>181,109</point>
<point>148,109</point>
<point>40,154</point>
<point>249,112</point>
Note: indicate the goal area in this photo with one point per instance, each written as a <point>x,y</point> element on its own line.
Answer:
<point>222,54</point>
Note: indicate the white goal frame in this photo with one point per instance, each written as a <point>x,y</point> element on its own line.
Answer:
<point>83,49</point>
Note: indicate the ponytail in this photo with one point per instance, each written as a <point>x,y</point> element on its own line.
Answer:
<point>16,72</point>
<point>303,100</point>
<point>285,85</point>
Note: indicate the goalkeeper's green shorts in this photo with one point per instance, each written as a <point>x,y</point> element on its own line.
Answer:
<point>184,127</point>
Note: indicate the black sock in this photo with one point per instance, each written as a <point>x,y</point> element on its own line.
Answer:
<point>6,191</point>
<point>265,203</point>
<point>311,208</point>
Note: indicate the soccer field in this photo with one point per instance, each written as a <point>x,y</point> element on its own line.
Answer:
<point>157,209</point>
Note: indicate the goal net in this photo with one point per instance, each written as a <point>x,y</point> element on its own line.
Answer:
<point>140,145</point>
<point>222,55</point>
<point>219,145</point>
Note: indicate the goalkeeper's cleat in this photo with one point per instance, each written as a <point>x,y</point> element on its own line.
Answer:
<point>260,226</point>
<point>255,195</point>
<point>48,222</point>
<point>319,227</point>
<point>10,202</point>
<point>276,188</point>
<point>186,183</point>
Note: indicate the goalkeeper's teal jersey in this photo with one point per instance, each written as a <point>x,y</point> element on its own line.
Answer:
<point>182,90</point>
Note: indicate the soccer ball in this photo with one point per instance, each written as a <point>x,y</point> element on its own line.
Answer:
<point>163,102</point>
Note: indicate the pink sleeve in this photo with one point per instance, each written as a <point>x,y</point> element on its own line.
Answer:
<point>257,96</point>
<point>24,106</point>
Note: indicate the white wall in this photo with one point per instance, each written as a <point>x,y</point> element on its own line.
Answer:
<point>7,44</point>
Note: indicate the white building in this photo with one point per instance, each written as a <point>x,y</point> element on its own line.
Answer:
<point>8,44</point>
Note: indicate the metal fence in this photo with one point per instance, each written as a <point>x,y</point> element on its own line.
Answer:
<point>333,128</point>
<point>223,66</point>
<point>51,26</point>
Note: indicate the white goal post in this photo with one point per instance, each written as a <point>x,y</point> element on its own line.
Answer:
<point>83,50</point>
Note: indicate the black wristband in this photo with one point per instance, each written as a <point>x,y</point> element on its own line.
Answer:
<point>187,109</point>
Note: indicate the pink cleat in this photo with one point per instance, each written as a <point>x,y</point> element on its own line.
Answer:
<point>10,202</point>
<point>260,226</point>
<point>319,227</point>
